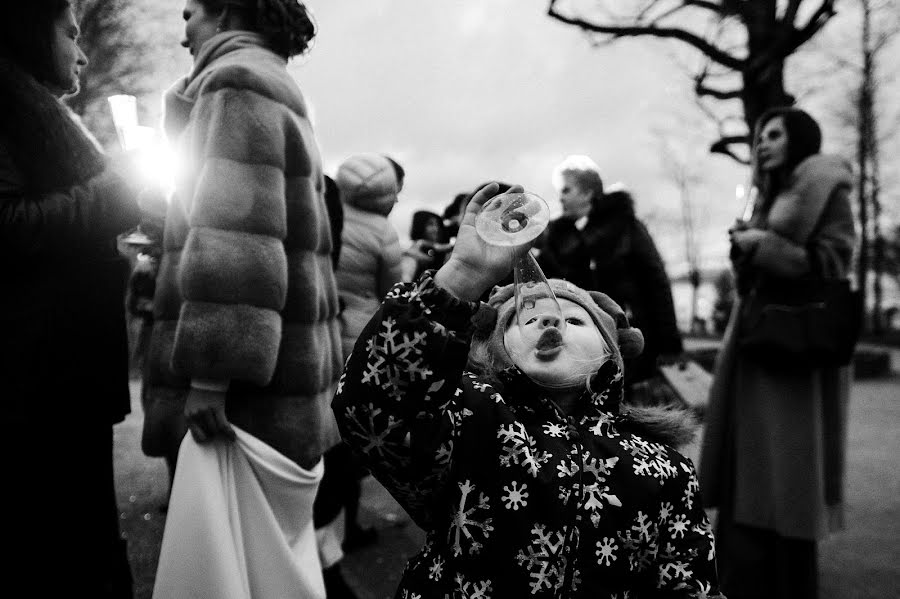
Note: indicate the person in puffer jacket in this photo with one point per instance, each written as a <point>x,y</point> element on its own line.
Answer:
<point>530,480</point>
<point>370,253</point>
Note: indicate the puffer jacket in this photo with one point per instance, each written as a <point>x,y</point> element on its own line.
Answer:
<point>517,498</point>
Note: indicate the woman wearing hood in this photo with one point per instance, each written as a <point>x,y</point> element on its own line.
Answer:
<point>371,257</point>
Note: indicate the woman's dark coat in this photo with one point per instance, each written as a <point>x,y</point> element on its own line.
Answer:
<point>615,254</point>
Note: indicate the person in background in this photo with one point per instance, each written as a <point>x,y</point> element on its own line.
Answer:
<point>371,255</point>
<point>599,244</point>
<point>453,212</point>
<point>370,264</point>
<point>63,341</point>
<point>429,246</point>
<point>246,335</point>
<point>526,475</point>
<point>773,456</point>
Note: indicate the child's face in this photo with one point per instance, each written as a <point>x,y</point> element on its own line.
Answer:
<point>553,358</point>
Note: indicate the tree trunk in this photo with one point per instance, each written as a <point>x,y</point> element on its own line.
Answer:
<point>763,78</point>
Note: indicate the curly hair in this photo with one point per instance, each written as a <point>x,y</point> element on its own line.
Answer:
<point>286,24</point>
<point>26,35</point>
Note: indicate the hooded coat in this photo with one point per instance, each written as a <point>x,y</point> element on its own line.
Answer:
<point>370,261</point>
<point>615,254</point>
<point>774,447</point>
<point>517,498</point>
<point>246,291</point>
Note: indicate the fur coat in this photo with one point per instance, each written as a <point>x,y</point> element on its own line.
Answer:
<point>246,294</point>
<point>62,302</point>
<point>773,452</point>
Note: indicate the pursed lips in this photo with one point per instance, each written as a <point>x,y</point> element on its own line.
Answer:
<point>549,344</point>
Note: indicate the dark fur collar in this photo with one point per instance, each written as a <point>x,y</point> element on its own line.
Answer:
<point>51,148</point>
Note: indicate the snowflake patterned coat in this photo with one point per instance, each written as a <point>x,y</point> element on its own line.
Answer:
<point>517,498</point>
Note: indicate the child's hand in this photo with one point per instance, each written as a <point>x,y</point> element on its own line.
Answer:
<point>475,266</point>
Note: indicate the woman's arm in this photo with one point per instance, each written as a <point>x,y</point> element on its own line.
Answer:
<point>54,222</point>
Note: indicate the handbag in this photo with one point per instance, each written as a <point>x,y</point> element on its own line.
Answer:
<point>805,323</point>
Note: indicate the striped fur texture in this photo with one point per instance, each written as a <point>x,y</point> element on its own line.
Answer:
<point>246,291</point>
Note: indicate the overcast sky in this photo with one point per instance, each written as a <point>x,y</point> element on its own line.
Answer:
<point>464,91</point>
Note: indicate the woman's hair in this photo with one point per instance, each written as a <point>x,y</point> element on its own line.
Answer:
<point>286,24</point>
<point>26,35</point>
<point>804,138</point>
<point>584,170</point>
<point>420,220</point>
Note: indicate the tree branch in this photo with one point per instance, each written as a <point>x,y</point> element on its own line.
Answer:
<point>702,90</point>
<point>723,146</point>
<point>717,54</point>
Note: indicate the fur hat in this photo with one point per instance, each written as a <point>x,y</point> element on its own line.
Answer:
<point>368,182</point>
<point>622,339</point>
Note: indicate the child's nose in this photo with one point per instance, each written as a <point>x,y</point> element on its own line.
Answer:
<point>549,320</point>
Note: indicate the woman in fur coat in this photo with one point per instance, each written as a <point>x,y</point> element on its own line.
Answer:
<point>773,454</point>
<point>529,478</point>
<point>63,347</point>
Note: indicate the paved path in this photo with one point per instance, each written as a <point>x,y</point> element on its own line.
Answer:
<point>859,563</point>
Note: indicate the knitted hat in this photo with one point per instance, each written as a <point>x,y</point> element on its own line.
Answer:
<point>368,182</point>
<point>622,339</point>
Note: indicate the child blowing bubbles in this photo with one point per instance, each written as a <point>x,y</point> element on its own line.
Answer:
<point>528,477</point>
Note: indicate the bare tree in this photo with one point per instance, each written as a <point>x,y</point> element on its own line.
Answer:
<point>124,41</point>
<point>743,46</point>
<point>680,168</point>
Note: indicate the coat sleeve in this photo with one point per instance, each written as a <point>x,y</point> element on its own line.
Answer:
<point>233,275</point>
<point>390,266</point>
<point>55,222</point>
<point>686,559</point>
<point>828,251</point>
<point>398,400</point>
<point>654,285</point>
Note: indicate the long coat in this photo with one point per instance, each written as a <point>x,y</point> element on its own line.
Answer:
<point>615,254</point>
<point>246,291</point>
<point>775,441</point>
<point>518,498</point>
<point>63,347</point>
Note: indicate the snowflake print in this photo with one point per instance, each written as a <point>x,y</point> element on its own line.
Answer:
<point>595,488</point>
<point>520,448</point>
<point>640,543</point>
<point>679,526</point>
<point>650,459</point>
<point>544,559</point>
<point>606,551</point>
<point>436,568</point>
<point>395,359</point>
<point>604,427</point>
<point>665,510</point>
<point>515,497</point>
<point>465,522</point>
<point>371,429</point>
<point>407,594</point>
<point>690,491</point>
<point>473,590</point>
<point>673,572</point>
<point>553,429</point>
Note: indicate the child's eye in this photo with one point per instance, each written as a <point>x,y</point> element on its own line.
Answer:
<point>531,320</point>
<point>574,320</point>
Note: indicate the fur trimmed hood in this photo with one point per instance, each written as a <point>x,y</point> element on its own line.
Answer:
<point>45,139</point>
